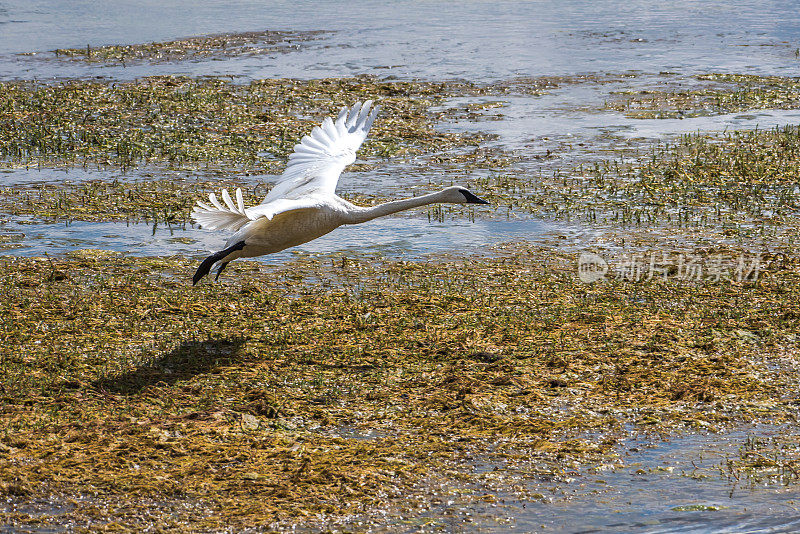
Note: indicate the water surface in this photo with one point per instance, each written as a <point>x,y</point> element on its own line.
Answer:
<point>477,40</point>
<point>658,486</point>
<point>392,237</point>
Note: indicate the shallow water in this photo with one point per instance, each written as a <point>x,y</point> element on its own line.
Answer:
<point>60,175</point>
<point>392,237</point>
<point>678,485</point>
<point>477,40</point>
<point>555,121</point>
<point>659,486</point>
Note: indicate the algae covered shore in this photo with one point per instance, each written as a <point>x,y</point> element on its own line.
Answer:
<point>357,391</point>
<point>272,400</point>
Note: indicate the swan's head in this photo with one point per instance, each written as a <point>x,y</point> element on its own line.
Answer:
<point>461,195</point>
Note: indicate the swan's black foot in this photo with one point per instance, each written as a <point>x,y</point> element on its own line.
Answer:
<point>205,267</point>
<point>221,268</point>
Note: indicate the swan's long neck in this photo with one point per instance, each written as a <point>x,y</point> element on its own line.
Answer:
<point>360,214</point>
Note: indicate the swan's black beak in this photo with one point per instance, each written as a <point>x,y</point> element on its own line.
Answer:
<point>472,199</point>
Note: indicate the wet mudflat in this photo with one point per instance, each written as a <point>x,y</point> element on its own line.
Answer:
<point>610,346</point>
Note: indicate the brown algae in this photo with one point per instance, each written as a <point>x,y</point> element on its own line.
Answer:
<point>120,379</point>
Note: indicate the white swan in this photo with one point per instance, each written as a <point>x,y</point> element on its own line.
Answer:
<point>303,204</point>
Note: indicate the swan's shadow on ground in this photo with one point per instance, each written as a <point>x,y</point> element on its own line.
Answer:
<point>188,359</point>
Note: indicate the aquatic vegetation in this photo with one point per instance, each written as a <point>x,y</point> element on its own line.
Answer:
<point>742,183</point>
<point>158,200</point>
<point>732,182</point>
<point>191,122</point>
<point>725,93</point>
<point>196,123</point>
<point>192,49</point>
<point>766,460</point>
<point>209,125</point>
<point>346,386</point>
<point>119,378</point>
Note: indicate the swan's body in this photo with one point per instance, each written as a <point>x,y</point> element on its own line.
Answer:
<point>303,204</point>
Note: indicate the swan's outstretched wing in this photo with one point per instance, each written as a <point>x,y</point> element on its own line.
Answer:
<point>319,158</point>
<point>232,216</point>
<point>310,177</point>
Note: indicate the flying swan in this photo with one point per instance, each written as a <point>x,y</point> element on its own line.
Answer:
<point>303,204</point>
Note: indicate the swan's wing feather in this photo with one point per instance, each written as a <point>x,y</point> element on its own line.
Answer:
<point>321,156</point>
<point>219,217</point>
<point>240,198</point>
<point>310,176</point>
<point>228,201</point>
<point>235,216</point>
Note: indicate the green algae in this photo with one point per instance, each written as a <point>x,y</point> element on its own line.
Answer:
<point>699,508</point>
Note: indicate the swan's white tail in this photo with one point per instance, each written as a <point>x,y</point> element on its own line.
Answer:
<point>218,217</point>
